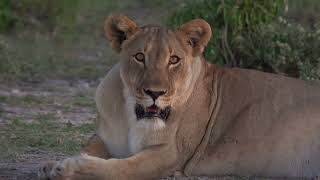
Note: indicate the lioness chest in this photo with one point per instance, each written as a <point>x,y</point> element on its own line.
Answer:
<point>118,127</point>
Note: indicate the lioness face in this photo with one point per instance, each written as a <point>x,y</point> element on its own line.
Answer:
<point>157,65</point>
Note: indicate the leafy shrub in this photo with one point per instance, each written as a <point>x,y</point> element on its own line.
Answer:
<point>229,19</point>
<point>246,34</point>
<point>282,48</point>
<point>6,17</point>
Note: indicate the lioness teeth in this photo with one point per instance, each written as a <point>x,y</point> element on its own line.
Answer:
<point>151,112</point>
<point>153,109</point>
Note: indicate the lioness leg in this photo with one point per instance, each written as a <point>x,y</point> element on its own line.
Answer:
<point>94,147</point>
<point>151,163</point>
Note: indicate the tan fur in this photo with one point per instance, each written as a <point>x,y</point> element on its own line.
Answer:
<point>222,122</point>
<point>95,147</point>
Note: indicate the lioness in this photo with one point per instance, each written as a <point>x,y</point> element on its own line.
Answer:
<point>163,108</point>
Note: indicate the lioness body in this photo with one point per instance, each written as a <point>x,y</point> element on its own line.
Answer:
<point>163,108</point>
<point>258,124</point>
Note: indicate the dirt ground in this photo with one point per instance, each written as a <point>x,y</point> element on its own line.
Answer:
<point>55,97</point>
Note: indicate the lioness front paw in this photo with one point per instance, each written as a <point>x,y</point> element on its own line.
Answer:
<point>52,171</point>
<point>79,167</point>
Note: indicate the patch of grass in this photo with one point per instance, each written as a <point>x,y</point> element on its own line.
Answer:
<point>23,100</point>
<point>8,65</point>
<point>29,99</point>
<point>44,134</point>
<point>44,117</point>
<point>47,59</point>
<point>84,101</point>
<point>82,70</point>
<point>4,99</point>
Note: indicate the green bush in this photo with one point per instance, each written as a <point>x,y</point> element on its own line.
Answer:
<point>6,17</point>
<point>229,19</point>
<point>282,48</point>
<point>246,34</point>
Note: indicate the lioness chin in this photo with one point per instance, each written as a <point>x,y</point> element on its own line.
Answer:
<point>163,108</point>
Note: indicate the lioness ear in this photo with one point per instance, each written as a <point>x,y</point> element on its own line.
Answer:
<point>198,32</point>
<point>119,28</point>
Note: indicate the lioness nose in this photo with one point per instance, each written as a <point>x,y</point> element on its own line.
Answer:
<point>154,94</point>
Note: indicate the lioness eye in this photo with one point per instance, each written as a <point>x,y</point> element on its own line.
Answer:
<point>174,60</point>
<point>139,57</point>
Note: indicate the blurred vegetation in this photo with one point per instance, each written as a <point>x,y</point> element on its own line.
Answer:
<point>255,34</point>
<point>304,12</point>
<point>6,17</point>
<point>52,14</point>
<point>54,38</point>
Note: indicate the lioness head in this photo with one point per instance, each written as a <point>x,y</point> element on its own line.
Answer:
<point>158,66</point>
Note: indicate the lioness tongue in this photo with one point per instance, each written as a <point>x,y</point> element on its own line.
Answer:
<point>152,109</point>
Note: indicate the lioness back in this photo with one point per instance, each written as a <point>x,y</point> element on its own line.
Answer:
<point>266,125</point>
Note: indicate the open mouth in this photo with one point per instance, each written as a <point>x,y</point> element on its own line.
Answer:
<point>151,112</point>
